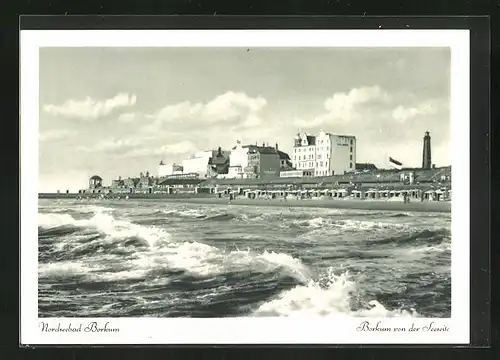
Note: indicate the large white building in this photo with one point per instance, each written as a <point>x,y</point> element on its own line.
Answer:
<point>238,161</point>
<point>325,154</point>
<point>198,163</point>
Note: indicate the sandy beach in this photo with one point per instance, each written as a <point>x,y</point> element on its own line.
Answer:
<point>388,205</point>
<point>426,206</point>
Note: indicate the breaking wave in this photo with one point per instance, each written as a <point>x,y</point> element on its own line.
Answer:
<point>142,264</point>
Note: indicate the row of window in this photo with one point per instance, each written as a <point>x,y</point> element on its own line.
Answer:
<point>310,149</point>
<point>310,157</point>
<point>324,173</point>
<point>310,165</point>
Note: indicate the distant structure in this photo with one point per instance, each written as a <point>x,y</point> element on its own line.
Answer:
<point>200,162</point>
<point>257,162</point>
<point>365,167</point>
<point>426,153</point>
<point>324,154</point>
<point>95,182</point>
<point>169,169</point>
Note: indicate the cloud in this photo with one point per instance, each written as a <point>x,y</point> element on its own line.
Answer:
<point>379,118</point>
<point>90,109</point>
<point>402,113</point>
<point>180,148</point>
<point>113,145</point>
<point>55,135</point>
<point>126,118</point>
<point>230,108</point>
<point>345,107</point>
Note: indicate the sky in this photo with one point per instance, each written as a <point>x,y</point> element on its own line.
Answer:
<point>120,111</point>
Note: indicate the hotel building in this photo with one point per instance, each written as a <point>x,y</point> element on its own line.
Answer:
<point>324,154</point>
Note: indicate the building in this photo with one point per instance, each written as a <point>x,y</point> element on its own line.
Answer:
<point>199,163</point>
<point>265,161</point>
<point>426,153</point>
<point>131,183</point>
<point>365,167</point>
<point>169,169</point>
<point>117,184</point>
<point>304,154</point>
<point>95,182</point>
<point>238,161</point>
<point>218,164</point>
<point>325,154</point>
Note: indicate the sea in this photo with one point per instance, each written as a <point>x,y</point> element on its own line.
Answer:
<point>150,258</point>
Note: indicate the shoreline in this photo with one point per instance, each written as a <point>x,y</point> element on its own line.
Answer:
<point>354,204</point>
<point>417,206</point>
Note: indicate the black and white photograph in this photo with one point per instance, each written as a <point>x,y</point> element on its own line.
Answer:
<point>247,181</point>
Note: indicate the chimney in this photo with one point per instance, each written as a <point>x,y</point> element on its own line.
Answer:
<point>276,147</point>
<point>263,144</point>
<point>219,151</point>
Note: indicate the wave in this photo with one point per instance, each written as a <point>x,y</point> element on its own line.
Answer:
<point>117,254</point>
<point>349,224</point>
<point>104,223</point>
<point>426,236</point>
<point>151,248</point>
<point>330,296</point>
<point>400,215</point>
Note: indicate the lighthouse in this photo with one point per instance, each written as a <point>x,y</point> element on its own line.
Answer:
<point>426,153</point>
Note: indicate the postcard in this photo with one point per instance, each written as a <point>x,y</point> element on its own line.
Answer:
<point>245,186</point>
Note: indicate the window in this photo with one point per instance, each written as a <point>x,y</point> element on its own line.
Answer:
<point>321,163</point>
<point>327,148</point>
<point>352,141</point>
<point>350,165</point>
<point>351,148</point>
<point>351,156</point>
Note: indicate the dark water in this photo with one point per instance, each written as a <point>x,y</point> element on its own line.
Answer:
<point>148,258</point>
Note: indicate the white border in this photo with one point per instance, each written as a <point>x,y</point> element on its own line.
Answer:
<point>246,330</point>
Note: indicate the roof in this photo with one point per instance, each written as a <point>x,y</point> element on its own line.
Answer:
<point>283,155</point>
<point>180,181</point>
<point>311,140</point>
<point>365,166</point>
<point>96,177</point>
<point>218,160</point>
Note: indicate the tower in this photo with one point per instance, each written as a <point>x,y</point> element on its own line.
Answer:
<point>297,140</point>
<point>426,153</point>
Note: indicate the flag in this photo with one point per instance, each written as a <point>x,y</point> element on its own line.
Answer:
<point>238,141</point>
<point>398,165</point>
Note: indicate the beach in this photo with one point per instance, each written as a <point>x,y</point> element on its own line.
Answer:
<point>382,205</point>
<point>347,203</point>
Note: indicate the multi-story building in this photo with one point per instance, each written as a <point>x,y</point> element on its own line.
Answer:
<point>325,154</point>
<point>238,161</point>
<point>265,161</point>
